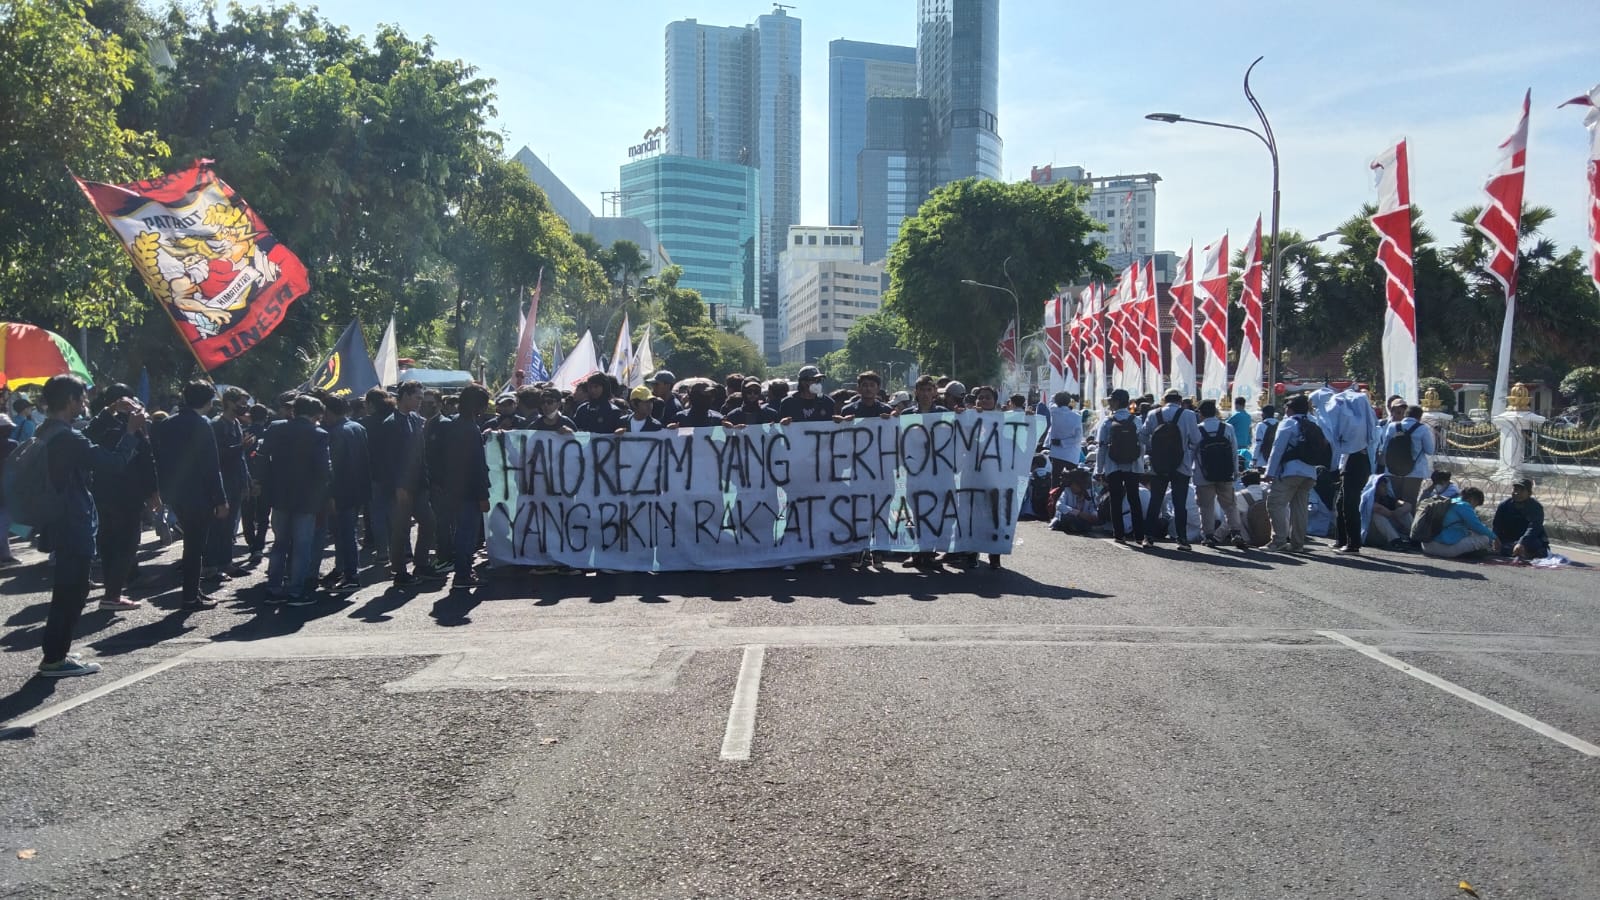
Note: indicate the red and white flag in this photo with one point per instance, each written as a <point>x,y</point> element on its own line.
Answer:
<point>1180,372</point>
<point>1247,375</point>
<point>1500,223</point>
<point>1150,328</point>
<point>1211,303</point>
<point>1392,175</point>
<point>1094,349</point>
<point>1008,343</point>
<point>1057,340</point>
<point>1592,121</point>
<point>1123,315</point>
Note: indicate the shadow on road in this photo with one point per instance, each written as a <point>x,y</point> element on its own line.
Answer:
<point>32,694</point>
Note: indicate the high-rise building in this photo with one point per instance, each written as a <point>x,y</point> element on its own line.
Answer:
<point>706,215</point>
<point>733,96</point>
<point>826,287</point>
<point>958,72</point>
<point>896,169</point>
<point>857,72</point>
<point>606,230</point>
<point>1125,204</point>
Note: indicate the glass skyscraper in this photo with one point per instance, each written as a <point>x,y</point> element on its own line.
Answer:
<point>706,215</point>
<point>858,71</point>
<point>958,72</point>
<point>733,96</point>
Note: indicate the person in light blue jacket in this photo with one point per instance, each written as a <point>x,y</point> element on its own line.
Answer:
<point>1291,480</point>
<point>1463,531</point>
<point>1119,461</point>
<point>1408,484</point>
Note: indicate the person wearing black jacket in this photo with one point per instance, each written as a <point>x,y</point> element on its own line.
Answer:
<point>73,463</point>
<point>400,474</point>
<point>598,415</point>
<point>349,490</point>
<point>256,512</point>
<point>190,479</point>
<point>296,475</point>
<point>379,406</point>
<point>752,408</point>
<point>120,494</point>
<point>699,413</point>
<point>232,445</point>
<point>461,484</point>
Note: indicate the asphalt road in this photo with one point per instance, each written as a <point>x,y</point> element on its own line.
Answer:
<point>1090,722</point>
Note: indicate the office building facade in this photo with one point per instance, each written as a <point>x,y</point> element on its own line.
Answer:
<point>825,287</point>
<point>857,72</point>
<point>1125,204</point>
<point>896,170</point>
<point>706,215</point>
<point>733,97</point>
<point>958,73</point>
<point>606,230</point>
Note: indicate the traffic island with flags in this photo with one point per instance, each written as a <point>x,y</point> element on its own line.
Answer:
<point>220,275</point>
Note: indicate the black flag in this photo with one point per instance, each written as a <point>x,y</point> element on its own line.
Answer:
<point>348,370</point>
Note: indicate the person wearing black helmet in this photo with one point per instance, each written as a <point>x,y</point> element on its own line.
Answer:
<point>808,403</point>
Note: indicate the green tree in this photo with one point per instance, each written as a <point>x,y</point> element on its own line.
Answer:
<point>65,82</point>
<point>966,230</point>
<point>1557,321</point>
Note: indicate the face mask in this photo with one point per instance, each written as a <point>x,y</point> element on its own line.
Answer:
<point>816,389</point>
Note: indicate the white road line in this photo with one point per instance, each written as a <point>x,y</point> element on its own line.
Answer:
<point>742,715</point>
<point>1450,687</point>
<point>28,720</point>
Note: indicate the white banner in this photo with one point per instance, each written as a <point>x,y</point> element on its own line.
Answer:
<point>712,498</point>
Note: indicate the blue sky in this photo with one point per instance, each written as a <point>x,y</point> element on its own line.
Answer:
<point>579,82</point>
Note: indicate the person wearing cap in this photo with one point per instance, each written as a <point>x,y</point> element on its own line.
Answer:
<point>955,396</point>
<point>808,403</point>
<point>666,403</point>
<point>900,401</point>
<point>752,409</point>
<point>550,417</point>
<point>641,401</point>
<point>505,416</point>
<point>869,399</point>
<point>1519,524</point>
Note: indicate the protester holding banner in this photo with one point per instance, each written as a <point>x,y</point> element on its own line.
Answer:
<point>643,402</point>
<point>807,404</point>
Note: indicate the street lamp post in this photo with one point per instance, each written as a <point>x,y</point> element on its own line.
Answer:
<point>1270,141</point>
<point>1005,267</point>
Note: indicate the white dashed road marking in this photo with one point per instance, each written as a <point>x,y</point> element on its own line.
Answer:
<point>29,720</point>
<point>742,716</point>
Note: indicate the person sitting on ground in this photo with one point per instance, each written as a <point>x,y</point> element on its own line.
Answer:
<point>1251,501</point>
<point>1463,532</point>
<point>1439,485</point>
<point>1387,517</point>
<point>1076,512</point>
<point>1519,523</point>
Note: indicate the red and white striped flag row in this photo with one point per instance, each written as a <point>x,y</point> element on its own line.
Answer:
<point>1122,329</point>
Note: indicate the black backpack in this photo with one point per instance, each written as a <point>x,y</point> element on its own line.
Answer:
<point>1124,447</point>
<point>1217,459</point>
<point>1166,445</point>
<point>1400,454</point>
<point>1429,519</point>
<point>1267,437</point>
<point>1312,448</point>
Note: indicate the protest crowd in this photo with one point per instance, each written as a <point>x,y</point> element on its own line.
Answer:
<point>398,480</point>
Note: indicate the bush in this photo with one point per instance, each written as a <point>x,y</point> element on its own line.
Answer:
<point>1582,386</point>
<point>1447,394</point>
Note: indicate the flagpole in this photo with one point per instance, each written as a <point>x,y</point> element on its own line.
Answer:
<point>182,338</point>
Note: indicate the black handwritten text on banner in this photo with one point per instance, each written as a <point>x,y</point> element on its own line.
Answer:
<point>714,498</point>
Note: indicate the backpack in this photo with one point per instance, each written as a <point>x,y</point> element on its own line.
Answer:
<point>31,496</point>
<point>1124,447</point>
<point>1400,454</point>
<point>1312,448</point>
<point>1217,460</point>
<point>1166,445</point>
<point>1267,437</point>
<point>1429,520</point>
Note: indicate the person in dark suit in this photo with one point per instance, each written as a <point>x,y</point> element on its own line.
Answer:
<point>190,479</point>
<point>296,477</point>
<point>400,473</point>
<point>120,494</point>
<point>460,481</point>
<point>350,490</point>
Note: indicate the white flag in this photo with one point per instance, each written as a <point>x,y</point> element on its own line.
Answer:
<point>387,362</point>
<point>622,355</point>
<point>579,364</point>
<point>644,360</point>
